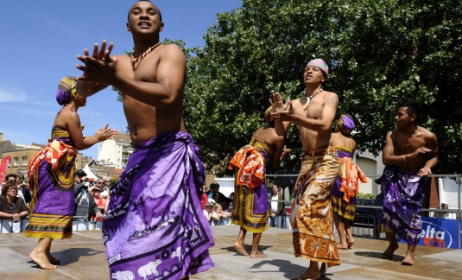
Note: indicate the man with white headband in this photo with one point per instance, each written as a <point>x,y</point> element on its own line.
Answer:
<point>312,217</point>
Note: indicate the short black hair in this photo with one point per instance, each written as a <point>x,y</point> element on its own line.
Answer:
<point>11,175</point>
<point>160,14</point>
<point>80,173</point>
<point>412,108</point>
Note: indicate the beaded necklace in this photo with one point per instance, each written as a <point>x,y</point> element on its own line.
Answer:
<point>139,59</point>
<point>308,98</point>
<point>72,109</point>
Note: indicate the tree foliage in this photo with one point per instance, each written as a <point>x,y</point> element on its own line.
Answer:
<point>380,53</point>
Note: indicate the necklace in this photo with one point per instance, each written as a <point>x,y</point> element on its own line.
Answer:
<point>139,59</point>
<point>308,98</point>
<point>72,109</point>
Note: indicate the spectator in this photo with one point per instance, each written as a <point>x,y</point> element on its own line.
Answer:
<point>107,184</point>
<point>204,198</point>
<point>218,215</point>
<point>12,206</point>
<point>277,207</point>
<point>105,198</point>
<point>96,192</point>
<point>231,204</point>
<point>208,211</point>
<point>220,198</point>
<point>23,188</point>
<point>84,203</point>
<point>212,188</point>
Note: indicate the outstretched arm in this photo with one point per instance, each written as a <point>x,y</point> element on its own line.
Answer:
<point>72,121</point>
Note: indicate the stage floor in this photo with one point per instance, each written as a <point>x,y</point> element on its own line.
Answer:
<point>83,257</point>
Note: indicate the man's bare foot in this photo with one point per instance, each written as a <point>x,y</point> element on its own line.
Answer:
<point>342,246</point>
<point>52,259</point>
<point>258,255</point>
<point>42,261</point>
<point>408,260</point>
<point>323,269</point>
<point>240,250</point>
<point>350,243</point>
<point>388,254</point>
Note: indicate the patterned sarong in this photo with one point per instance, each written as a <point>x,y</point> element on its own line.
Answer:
<point>311,216</point>
<point>51,180</point>
<point>346,186</point>
<point>251,209</point>
<point>403,194</point>
<point>154,226</point>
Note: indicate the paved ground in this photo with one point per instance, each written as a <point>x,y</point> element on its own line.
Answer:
<point>82,257</point>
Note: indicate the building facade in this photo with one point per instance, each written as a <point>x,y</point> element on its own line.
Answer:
<point>115,152</point>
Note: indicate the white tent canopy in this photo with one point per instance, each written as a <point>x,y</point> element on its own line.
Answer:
<point>89,173</point>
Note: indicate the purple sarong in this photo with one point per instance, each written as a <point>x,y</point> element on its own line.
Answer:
<point>403,193</point>
<point>154,226</point>
<point>52,205</point>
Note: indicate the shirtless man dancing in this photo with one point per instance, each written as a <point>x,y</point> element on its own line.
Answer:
<point>410,153</point>
<point>314,114</point>
<point>154,206</point>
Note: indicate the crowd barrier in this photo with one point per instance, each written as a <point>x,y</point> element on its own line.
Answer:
<point>78,224</point>
<point>441,226</point>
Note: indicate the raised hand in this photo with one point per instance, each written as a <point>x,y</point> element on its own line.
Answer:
<point>281,111</point>
<point>277,103</point>
<point>99,67</point>
<point>106,133</point>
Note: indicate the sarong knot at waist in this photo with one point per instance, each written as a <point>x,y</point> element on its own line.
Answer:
<point>319,151</point>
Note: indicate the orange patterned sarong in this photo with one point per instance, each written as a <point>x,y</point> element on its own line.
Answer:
<point>251,167</point>
<point>312,216</point>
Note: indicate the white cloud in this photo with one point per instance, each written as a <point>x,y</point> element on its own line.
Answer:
<point>12,95</point>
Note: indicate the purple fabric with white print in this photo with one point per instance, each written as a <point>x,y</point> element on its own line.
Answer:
<point>403,193</point>
<point>154,227</point>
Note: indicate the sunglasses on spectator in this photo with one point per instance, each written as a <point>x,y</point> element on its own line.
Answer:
<point>12,181</point>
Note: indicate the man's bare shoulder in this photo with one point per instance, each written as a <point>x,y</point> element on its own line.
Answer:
<point>426,133</point>
<point>122,56</point>
<point>330,97</point>
<point>172,50</point>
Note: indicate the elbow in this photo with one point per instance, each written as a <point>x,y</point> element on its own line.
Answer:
<point>166,102</point>
<point>79,146</point>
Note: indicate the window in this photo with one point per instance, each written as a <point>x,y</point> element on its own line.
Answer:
<point>15,161</point>
<point>24,160</point>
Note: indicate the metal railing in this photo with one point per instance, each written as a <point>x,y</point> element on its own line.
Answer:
<point>371,222</point>
<point>79,223</point>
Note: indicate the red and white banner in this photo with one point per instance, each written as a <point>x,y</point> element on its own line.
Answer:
<point>3,168</point>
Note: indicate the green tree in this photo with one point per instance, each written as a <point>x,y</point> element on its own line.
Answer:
<point>380,53</point>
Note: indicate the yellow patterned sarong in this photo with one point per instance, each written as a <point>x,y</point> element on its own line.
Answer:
<point>312,216</point>
<point>251,209</point>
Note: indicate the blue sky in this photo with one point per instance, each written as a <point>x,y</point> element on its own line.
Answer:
<point>39,44</point>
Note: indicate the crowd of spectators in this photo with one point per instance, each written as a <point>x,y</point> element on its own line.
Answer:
<point>91,199</point>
